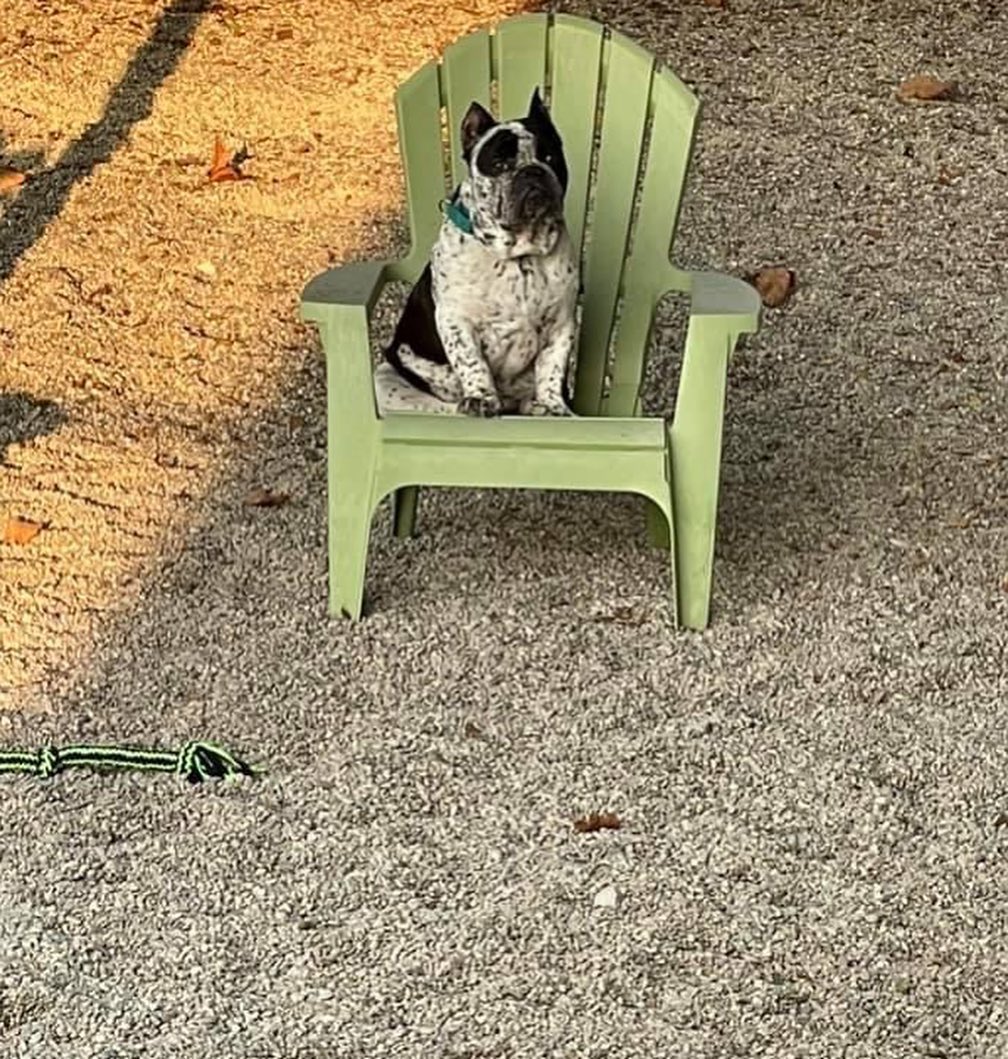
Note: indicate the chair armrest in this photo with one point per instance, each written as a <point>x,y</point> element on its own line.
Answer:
<point>356,284</point>
<point>735,302</point>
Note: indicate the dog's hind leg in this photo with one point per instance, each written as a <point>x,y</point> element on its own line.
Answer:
<point>441,379</point>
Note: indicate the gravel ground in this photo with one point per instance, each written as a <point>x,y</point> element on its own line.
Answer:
<point>813,793</point>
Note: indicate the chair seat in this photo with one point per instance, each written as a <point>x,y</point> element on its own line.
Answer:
<point>407,419</point>
<point>394,394</point>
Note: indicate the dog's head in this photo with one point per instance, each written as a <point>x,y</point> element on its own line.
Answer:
<point>517,179</point>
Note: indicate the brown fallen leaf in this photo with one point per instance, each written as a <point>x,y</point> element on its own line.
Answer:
<point>775,285</point>
<point>947,176</point>
<point>265,498</point>
<point>922,88</point>
<point>10,179</point>
<point>721,5</point>
<point>472,731</point>
<point>963,521</point>
<point>227,166</point>
<point>21,530</point>
<point>597,822</point>
<point>221,159</point>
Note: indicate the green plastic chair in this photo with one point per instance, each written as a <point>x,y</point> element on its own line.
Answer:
<point>601,89</point>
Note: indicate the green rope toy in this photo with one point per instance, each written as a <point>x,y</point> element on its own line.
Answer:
<point>196,761</point>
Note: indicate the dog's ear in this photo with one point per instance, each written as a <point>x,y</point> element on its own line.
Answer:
<point>476,122</point>
<point>537,108</point>
<point>538,120</point>
<point>549,144</point>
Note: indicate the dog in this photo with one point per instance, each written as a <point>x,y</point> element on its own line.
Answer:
<point>490,326</point>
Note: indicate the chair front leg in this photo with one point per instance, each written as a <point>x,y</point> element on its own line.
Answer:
<point>350,513</point>
<point>352,441</point>
<point>696,462</point>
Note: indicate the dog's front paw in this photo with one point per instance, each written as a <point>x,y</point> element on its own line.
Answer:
<point>532,406</point>
<point>483,405</point>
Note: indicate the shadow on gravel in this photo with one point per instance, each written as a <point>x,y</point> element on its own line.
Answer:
<point>43,196</point>
<point>23,417</point>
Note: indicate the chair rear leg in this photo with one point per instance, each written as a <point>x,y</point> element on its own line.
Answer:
<point>657,526</point>
<point>404,510</point>
<point>661,532</point>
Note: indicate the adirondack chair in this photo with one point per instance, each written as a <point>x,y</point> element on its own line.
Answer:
<point>609,96</point>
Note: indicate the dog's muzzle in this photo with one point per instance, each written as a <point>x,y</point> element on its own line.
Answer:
<point>536,196</point>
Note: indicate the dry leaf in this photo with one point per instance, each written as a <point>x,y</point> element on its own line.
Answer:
<point>284,33</point>
<point>265,498</point>
<point>922,88</point>
<point>721,5</point>
<point>472,731</point>
<point>221,158</point>
<point>10,179</point>
<point>775,285</point>
<point>226,166</point>
<point>947,176</point>
<point>597,822</point>
<point>21,530</point>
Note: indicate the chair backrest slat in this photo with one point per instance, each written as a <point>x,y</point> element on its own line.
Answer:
<point>648,273</point>
<point>418,113</point>
<point>519,62</point>
<point>465,76</point>
<point>576,62</point>
<point>626,91</point>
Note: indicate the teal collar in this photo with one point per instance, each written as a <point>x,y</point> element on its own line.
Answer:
<point>459,216</point>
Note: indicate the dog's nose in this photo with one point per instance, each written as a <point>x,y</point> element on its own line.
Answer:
<point>536,175</point>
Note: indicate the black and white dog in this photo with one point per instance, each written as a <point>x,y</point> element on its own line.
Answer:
<point>490,326</point>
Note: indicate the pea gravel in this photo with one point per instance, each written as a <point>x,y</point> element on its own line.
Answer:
<point>813,792</point>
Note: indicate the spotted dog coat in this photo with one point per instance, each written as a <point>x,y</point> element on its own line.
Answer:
<point>490,325</point>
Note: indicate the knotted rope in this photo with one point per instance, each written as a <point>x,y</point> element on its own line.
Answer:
<point>195,761</point>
